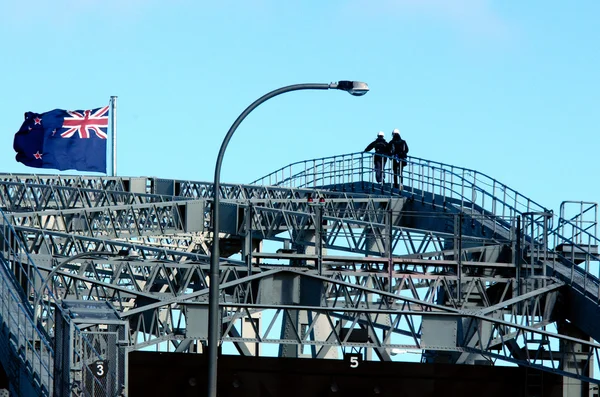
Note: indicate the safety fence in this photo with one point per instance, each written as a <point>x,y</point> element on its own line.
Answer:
<point>469,189</point>
<point>574,241</point>
<point>28,313</point>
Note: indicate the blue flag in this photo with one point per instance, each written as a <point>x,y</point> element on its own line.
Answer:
<point>64,139</point>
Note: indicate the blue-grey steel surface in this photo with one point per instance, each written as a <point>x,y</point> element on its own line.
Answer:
<point>454,246</point>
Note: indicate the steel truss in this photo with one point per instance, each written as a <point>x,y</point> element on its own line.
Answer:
<point>393,281</point>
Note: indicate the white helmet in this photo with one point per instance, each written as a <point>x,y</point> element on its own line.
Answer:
<point>396,131</point>
<point>380,133</point>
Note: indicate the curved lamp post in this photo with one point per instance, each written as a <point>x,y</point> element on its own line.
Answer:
<point>355,88</point>
<point>38,298</point>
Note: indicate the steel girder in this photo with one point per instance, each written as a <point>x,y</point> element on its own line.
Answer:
<point>29,196</point>
<point>61,244</point>
<point>156,296</point>
<point>353,225</point>
<point>169,277</point>
<point>118,222</point>
<point>351,301</point>
<point>150,221</point>
<point>345,290</point>
<point>512,330</point>
<point>55,192</point>
<point>159,279</point>
<point>363,304</point>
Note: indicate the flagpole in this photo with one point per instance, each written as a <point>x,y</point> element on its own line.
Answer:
<point>113,126</point>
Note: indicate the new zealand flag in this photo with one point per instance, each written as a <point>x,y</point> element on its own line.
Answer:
<point>64,139</point>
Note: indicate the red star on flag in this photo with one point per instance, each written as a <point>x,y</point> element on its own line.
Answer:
<point>38,120</point>
<point>37,155</point>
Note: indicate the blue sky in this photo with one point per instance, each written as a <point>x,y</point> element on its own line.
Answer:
<point>509,88</point>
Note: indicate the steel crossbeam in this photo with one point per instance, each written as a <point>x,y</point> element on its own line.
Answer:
<point>26,196</point>
<point>40,241</point>
<point>357,269</point>
<point>349,300</point>
<point>43,191</point>
<point>169,279</point>
<point>352,225</point>
<point>363,230</point>
<point>508,340</point>
<point>123,221</point>
<point>343,294</point>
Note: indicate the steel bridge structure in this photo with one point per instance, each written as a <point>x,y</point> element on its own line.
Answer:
<point>317,261</point>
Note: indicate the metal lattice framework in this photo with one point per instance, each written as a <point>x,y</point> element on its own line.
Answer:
<point>457,266</point>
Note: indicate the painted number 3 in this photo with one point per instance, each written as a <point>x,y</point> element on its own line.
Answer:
<point>98,368</point>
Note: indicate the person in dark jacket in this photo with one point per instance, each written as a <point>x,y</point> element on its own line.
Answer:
<point>382,147</point>
<point>399,149</point>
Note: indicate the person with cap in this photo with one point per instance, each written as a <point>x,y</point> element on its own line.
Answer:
<point>382,149</point>
<point>399,150</point>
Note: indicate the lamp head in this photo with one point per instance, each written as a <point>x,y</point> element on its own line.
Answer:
<point>356,88</point>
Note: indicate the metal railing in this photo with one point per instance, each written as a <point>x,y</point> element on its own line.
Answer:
<point>570,250</point>
<point>580,253</point>
<point>31,344</point>
<point>27,346</point>
<point>24,349</point>
<point>469,190</point>
<point>580,223</point>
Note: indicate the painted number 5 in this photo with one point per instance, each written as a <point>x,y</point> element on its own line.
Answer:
<point>354,362</point>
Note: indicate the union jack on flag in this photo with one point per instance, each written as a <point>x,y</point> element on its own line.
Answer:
<point>85,123</point>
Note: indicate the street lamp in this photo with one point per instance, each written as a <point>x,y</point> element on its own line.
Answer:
<point>355,88</point>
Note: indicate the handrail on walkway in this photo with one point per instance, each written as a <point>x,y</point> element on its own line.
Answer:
<point>467,189</point>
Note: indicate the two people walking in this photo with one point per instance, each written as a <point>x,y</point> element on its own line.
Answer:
<point>397,148</point>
